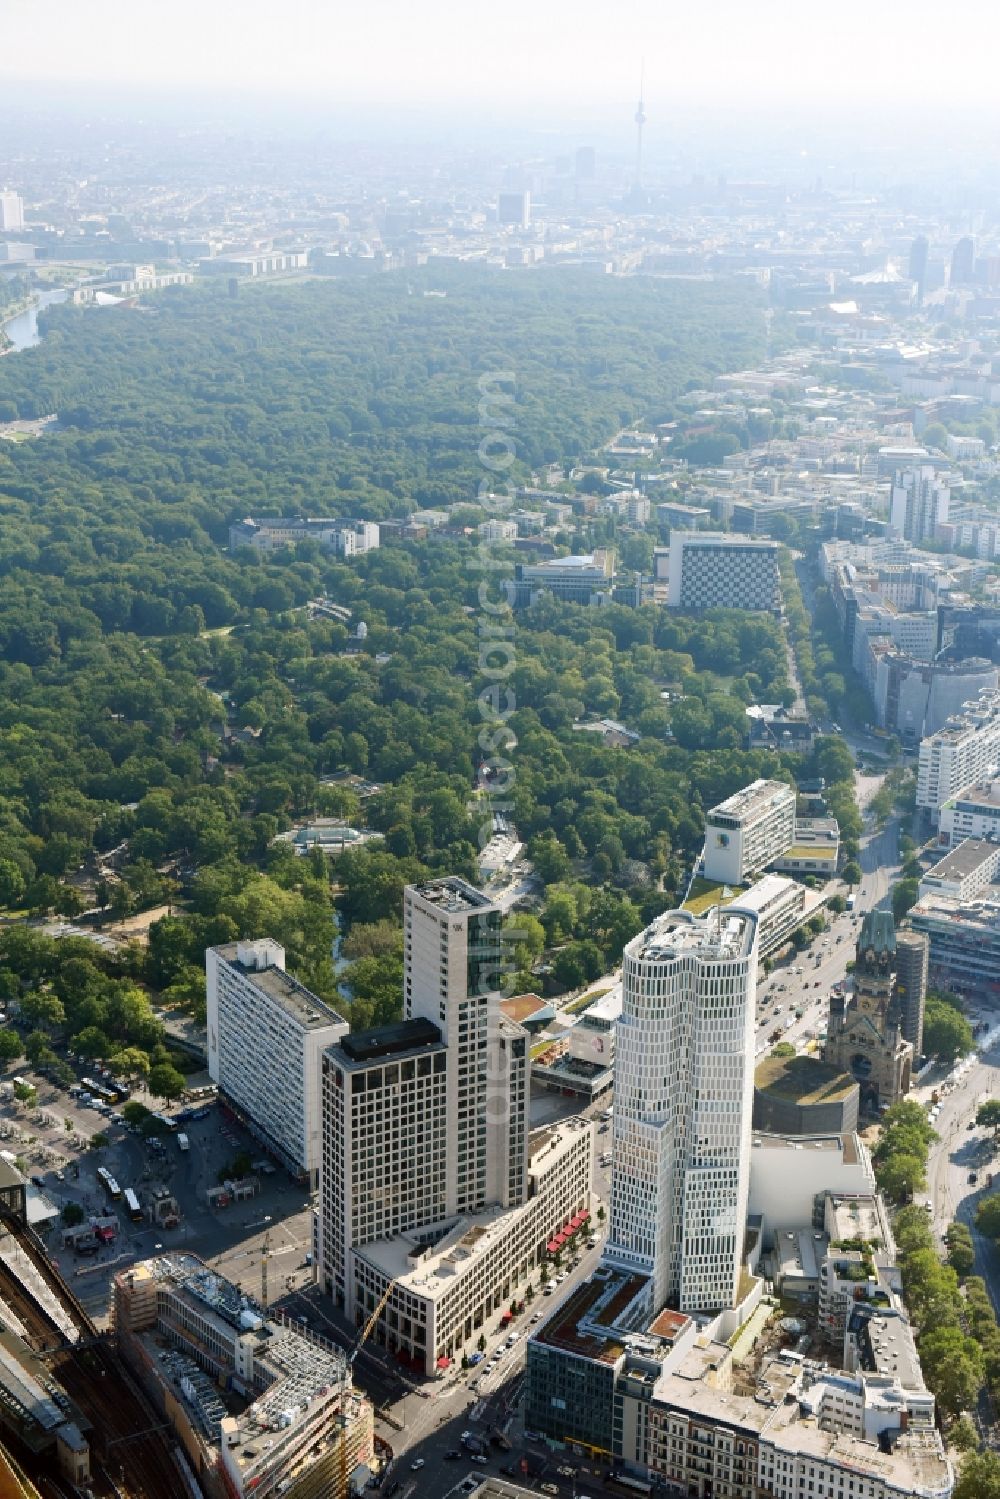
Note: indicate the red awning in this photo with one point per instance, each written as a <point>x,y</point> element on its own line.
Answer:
<point>552,1246</point>
<point>443,1361</point>
<point>577,1219</point>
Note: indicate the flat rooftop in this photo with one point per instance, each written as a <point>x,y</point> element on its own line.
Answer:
<point>389,1040</point>
<point>968,917</point>
<point>800,1252</point>
<point>521,1007</point>
<point>732,539</point>
<point>803,1080</point>
<point>585,1322</point>
<point>298,1002</point>
<point>751,800</point>
<point>854,1217</point>
<point>963,861</point>
<point>843,1145</point>
<point>453,894</point>
<point>982,794</point>
<point>718,934</point>
<point>887,1348</point>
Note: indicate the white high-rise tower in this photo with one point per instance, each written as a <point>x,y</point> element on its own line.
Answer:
<point>11,211</point>
<point>683,1102</point>
<point>451,964</point>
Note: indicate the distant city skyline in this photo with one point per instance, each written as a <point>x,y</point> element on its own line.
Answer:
<point>720,55</point>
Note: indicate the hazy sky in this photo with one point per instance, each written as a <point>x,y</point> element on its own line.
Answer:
<point>550,55</point>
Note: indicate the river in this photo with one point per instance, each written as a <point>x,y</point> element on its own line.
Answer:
<point>23,329</point>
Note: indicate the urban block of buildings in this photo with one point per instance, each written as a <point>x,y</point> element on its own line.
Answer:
<point>888,597</point>
<point>345,538</point>
<point>964,938</point>
<point>641,1364</point>
<point>585,579</point>
<point>431,1183</point>
<point>266,1035</point>
<point>259,1405</point>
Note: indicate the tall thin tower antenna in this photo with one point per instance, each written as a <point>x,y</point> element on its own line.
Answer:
<point>640,120</point>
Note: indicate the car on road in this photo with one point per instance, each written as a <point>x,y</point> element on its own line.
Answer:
<point>478,1457</point>
<point>416,1465</point>
<point>550,1488</point>
<point>452,1455</point>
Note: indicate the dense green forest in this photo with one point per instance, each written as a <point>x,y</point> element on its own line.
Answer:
<point>134,651</point>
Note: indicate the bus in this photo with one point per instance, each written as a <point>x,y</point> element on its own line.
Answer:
<point>850,902</point>
<point>109,1184</point>
<point>132,1206</point>
<point>99,1091</point>
<point>629,1484</point>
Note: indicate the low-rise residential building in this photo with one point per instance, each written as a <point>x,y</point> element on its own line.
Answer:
<point>497,530</point>
<point>292,1422</point>
<point>775,727</point>
<point>266,1035</point>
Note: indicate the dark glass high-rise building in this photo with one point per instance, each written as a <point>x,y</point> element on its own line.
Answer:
<point>963,262</point>
<point>918,264</point>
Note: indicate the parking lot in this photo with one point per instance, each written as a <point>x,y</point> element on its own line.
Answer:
<point>54,1141</point>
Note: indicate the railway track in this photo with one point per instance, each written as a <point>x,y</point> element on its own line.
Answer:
<point>125,1435</point>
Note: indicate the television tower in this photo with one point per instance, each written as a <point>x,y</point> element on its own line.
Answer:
<point>640,120</point>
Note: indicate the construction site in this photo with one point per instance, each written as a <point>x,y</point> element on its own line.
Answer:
<point>72,1418</point>
<point>259,1404</point>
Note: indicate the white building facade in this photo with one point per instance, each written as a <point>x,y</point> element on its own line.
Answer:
<point>266,1036</point>
<point>747,831</point>
<point>683,1104</point>
<point>919,504</point>
<point>965,750</point>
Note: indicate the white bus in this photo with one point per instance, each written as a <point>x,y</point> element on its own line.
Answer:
<point>132,1206</point>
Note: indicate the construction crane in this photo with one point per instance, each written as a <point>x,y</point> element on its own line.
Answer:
<point>345,1383</point>
<point>265,1250</point>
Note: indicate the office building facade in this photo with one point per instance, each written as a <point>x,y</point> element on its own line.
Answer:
<point>266,1035</point>
<point>748,831</point>
<point>426,1146</point>
<point>683,1106</point>
<point>721,570</point>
